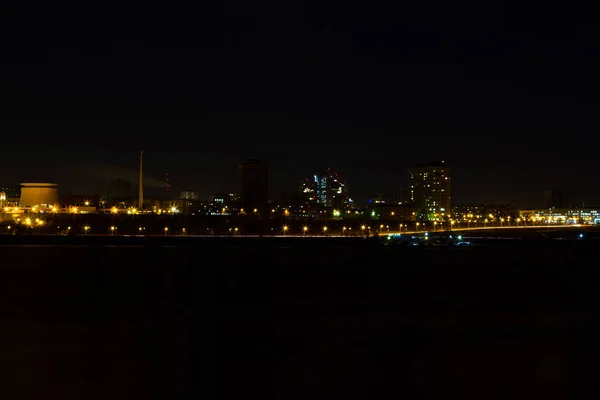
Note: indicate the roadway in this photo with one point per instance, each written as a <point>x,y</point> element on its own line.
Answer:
<point>484,228</point>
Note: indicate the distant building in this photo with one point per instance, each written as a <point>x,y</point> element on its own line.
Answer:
<point>379,198</point>
<point>254,187</point>
<point>118,189</point>
<point>11,197</point>
<point>482,212</point>
<point>225,204</point>
<point>554,198</point>
<point>402,196</point>
<point>326,190</point>
<point>11,191</point>
<point>189,195</point>
<point>561,216</point>
<point>430,190</point>
<point>39,195</point>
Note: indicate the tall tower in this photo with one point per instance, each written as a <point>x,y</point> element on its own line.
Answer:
<point>430,190</point>
<point>253,187</point>
<point>141,192</point>
<point>167,183</point>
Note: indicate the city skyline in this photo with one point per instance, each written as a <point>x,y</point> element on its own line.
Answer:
<point>510,105</point>
<point>159,188</point>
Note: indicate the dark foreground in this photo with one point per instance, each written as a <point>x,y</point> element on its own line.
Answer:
<point>297,322</point>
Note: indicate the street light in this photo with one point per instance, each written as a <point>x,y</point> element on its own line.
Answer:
<point>112,230</point>
<point>86,229</point>
<point>285,228</point>
<point>325,230</point>
<point>166,230</point>
<point>305,229</point>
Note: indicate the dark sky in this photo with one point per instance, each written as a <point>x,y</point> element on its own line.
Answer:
<point>504,94</point>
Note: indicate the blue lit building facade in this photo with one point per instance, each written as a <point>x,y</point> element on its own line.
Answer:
<point>326,190</point>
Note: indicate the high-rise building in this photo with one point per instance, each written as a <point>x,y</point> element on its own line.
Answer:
<point>253,187</point>
<point>554,198</point>
<point>326,190</point>
<point>430,190</point>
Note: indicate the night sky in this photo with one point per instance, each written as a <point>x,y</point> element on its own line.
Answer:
<point>506,95</point>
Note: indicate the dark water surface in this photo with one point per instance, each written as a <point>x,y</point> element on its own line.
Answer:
<point>100,322</point>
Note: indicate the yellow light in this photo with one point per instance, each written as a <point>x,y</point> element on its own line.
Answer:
<point>27,221</point>
<point>6,209</point>
<point>112,228</point>
<point>255,210</point>
<point>324,229</point>
<point>363,227</point>
<point>54,209</point>
<point>166,229</point>
<point>174,209</point>
<point>87,203</point>
<point>305,228</point>
<point>114,210</point>
<point>285,228</point>
<point>40,222</point>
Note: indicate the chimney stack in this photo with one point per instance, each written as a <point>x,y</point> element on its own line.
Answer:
<point>141,192</point>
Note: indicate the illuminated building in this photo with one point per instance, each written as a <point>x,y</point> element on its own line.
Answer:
<point>189,195</point>
<point>561,216</point>
<point>326,190</point>
<point>430,189</point>
<point>253,187</point>
<point>227,204</point>
<point>480,212</point>
<point>39,194</point>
